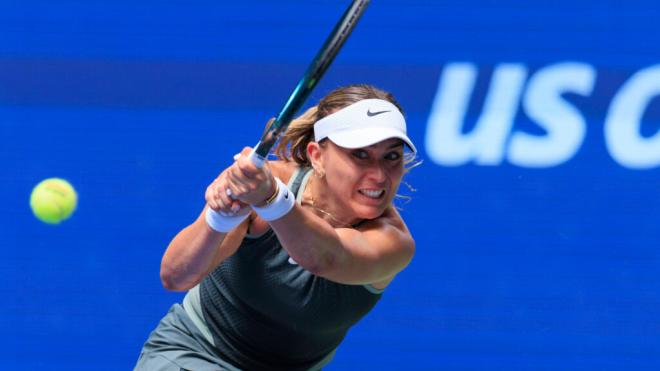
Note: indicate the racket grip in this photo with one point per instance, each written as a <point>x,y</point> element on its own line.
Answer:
<point>257,160</point>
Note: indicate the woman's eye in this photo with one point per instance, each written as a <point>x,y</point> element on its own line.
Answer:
<point>360,154</point>
<point>393,156</point>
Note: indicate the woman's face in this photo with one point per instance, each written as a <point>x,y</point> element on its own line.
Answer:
<point>362,181</point>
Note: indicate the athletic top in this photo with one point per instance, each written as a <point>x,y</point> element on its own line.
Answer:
<point>265,312</point>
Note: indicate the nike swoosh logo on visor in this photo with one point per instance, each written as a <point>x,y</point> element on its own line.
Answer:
<point>371,114</point>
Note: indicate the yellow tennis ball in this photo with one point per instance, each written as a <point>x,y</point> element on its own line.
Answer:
<point>53,200</point>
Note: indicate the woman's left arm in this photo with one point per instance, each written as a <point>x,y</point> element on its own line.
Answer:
<point>375,251</point>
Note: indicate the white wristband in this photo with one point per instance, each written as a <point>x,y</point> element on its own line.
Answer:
<point>281,205</point>
<point>221,223</point>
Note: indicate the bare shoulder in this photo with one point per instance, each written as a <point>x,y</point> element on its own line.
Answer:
<point>390,236</point>
<point>390,221</point>
<point>390,230</point>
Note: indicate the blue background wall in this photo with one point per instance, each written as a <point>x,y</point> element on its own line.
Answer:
<point>141,104</point>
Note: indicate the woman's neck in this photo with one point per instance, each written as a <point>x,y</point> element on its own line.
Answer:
<point>322,207</point>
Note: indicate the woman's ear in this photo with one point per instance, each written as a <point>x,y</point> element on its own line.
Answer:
<point>314,153</point>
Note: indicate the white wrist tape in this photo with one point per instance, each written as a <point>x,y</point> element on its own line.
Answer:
<point>222,223</point>
<point>280,206</point>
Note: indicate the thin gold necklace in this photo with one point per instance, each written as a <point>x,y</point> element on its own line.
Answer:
<point>341,224</point>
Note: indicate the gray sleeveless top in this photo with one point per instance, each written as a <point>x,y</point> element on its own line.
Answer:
<point>265,312</point>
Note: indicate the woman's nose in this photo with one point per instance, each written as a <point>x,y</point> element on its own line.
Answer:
<point>377,172</point>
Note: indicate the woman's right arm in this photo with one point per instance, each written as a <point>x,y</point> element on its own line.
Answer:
<point>198,248</point>
<point>196,251</point>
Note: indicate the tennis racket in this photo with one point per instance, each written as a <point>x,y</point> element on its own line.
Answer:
<point>314,72</point>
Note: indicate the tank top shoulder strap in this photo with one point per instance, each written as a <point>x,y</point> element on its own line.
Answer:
<point>299,180</point>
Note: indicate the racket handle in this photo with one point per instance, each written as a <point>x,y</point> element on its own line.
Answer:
<point>256,159</point>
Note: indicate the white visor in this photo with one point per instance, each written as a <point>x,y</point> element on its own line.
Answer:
<point>362,124</point>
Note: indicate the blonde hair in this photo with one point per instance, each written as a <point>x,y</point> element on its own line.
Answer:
<point>293,144</point>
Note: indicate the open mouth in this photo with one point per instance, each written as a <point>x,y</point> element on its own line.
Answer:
<point>372,193</point>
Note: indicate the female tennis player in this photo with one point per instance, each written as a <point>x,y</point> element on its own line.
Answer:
<point>284,259</point>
